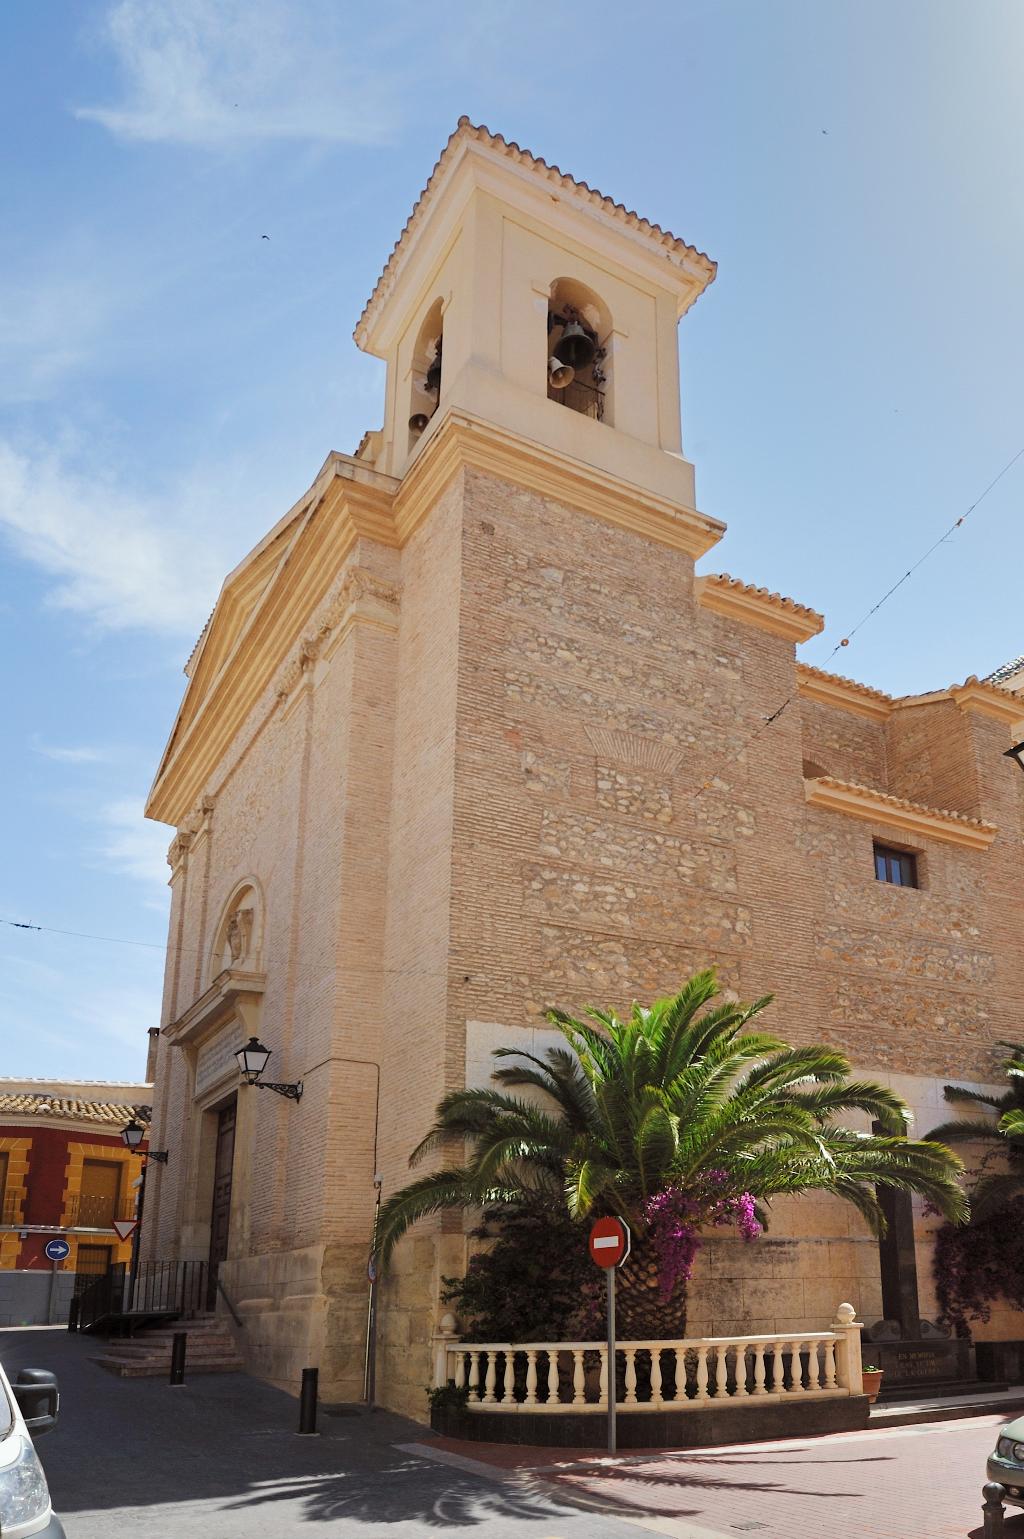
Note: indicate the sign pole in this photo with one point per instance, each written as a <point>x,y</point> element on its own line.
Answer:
<point>609,1247</point>
<point>611,1358</point>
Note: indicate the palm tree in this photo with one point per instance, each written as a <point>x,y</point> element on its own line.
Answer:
<point>1003,1136</point>
<point>680,1102</point>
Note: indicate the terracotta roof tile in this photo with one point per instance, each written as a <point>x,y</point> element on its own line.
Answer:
<point>868,793</point>
<point>467,130</point>
<point>869,693</point>
<point>17,1103</point>
<point>724,580</point>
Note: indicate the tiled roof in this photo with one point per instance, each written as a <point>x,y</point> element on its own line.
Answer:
<point>467,130</point>
<point>717,590</point>
<point>22,1104</point>
<point>881,801</point>
<point>807,671</point>
<point>1005,672</point>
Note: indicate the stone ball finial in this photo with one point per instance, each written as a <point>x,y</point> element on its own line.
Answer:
<point>845,1314</point>
<point>449,1324</point>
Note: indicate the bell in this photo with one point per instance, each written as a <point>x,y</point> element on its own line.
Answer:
<point>560,374</point>
<point>575,347</point>
<point>433,380</point>
<point>418,422</point>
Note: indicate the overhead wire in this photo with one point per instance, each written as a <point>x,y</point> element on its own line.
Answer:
<point>170,949</point>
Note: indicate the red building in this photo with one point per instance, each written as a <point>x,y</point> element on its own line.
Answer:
<point>65,1173</point>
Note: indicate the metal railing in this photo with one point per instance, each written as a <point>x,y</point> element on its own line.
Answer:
<point>179,1288</point>
<point>658,1375</point>
<point>86,1211</point>
<point>588,400</point>
<point>11,1213</point>
<point>82,1211</point>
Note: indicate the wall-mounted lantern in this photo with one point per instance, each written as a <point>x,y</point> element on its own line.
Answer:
<point>252,1060</point>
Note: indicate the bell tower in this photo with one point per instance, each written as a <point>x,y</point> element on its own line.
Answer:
<point>527,300</point>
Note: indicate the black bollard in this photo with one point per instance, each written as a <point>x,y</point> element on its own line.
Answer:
<point>73,1315</point>
<point>992,1510</point>
<point>178,1344</point>
<point>307,1400</point>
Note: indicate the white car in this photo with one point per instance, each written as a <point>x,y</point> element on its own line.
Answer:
<point>28,1407</point>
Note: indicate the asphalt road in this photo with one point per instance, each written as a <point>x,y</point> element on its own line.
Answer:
<point>219,1459</point>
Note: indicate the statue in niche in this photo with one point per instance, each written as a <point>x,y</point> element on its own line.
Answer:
<point>239,935</point>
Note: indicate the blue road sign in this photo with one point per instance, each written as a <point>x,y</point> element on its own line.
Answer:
<point>57,1250</point>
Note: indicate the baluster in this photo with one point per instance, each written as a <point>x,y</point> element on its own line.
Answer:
<point>796,1369</point>
<point>460,1369</point>
<point>741,1372</point>
<point>759,1388</point>
<point>778,1377</point>
<point>813,1371</point>
<point>830,1363</point>
<point>630,1354</point>
<point>602,1387</point>
<point>578,1380</point>
<point>474,1376</point>
<point>531,1377</point>
<point>722,1373</point>
<point>702,1374</point>
<point>656,1398</point>
<point>552,1376</point>
<point>491,1378</point>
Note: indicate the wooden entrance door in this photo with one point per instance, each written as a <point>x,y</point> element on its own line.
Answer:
<point>220,1216</point>
<point>101,1192</point>
<point>93,1259</point>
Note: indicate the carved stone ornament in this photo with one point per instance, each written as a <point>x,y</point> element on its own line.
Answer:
<point>356,585</point>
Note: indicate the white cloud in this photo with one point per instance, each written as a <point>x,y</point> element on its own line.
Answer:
<point>217,72</point>
<point>126,559</point>
<point>83,755</point>
<point>135,847</point>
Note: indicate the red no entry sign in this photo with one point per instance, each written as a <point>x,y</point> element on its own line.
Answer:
<point>609,1242</point>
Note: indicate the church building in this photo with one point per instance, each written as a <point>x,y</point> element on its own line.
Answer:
<point>466,737</point>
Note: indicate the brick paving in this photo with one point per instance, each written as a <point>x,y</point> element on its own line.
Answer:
<point>901,1483</point>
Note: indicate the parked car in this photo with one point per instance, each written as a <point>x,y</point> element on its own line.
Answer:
<point>1006,1464</point>
<point>28,1407</point>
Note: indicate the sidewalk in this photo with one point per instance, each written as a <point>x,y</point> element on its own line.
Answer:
<point>920,1482</point>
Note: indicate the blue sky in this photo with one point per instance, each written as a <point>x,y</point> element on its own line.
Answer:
<point>170,381</point>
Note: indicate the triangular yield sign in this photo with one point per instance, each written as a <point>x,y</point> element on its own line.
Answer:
<point>125,1227</point>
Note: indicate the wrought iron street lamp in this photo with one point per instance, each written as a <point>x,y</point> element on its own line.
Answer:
<point>252,1060</point>
<point>1016,753</point>
<point>132,1135</point>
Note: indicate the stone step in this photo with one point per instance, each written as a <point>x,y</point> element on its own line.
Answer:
<point>146,1368</point>
<point>1009,1403</point>
<point>193,1353</point>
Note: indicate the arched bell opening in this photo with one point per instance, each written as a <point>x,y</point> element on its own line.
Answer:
<point>425,391</point>
<point>578,363</point>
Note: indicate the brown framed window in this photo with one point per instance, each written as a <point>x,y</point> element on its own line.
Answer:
<point>897,867</point>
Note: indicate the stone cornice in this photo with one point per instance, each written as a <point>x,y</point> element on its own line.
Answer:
<point>988,700</point>
<point>726,595</point>
<point>232,992</point>
<point>871,806</point>
<point>842,694</point>
<point>467,441</point>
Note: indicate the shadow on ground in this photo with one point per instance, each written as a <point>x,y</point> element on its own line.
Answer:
<point>223,1453</point>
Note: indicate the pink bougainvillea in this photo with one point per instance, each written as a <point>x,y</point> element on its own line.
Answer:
<point>675,1218</point>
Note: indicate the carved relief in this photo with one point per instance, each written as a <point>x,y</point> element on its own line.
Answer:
<point>355,587</point>
<point>238,935</point>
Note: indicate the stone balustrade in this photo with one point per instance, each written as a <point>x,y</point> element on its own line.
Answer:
<point>572,1376</point>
